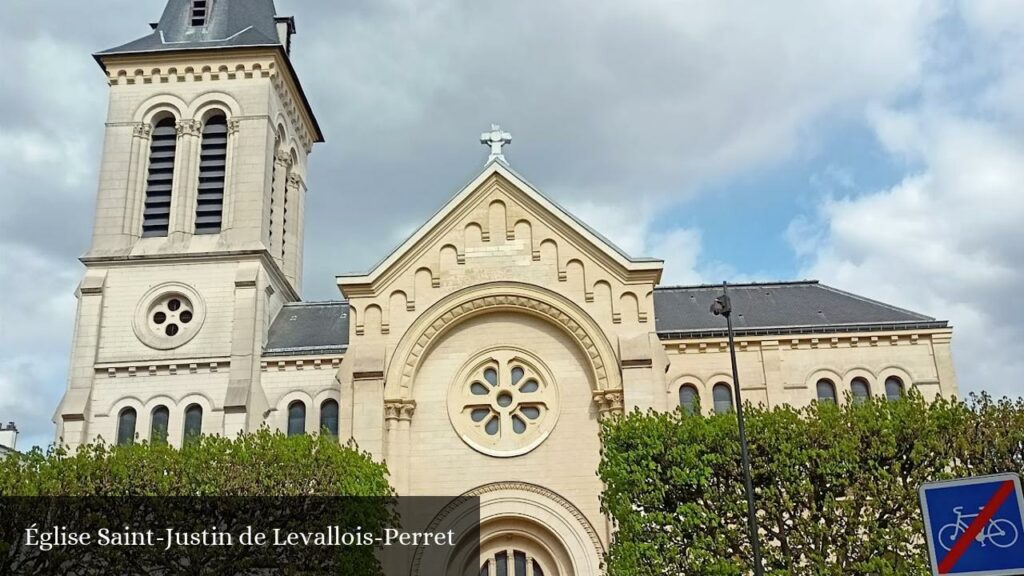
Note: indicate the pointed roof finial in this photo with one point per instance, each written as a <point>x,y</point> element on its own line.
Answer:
<point>496,139</point>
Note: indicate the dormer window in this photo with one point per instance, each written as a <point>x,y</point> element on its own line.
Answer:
<point>200,11</point>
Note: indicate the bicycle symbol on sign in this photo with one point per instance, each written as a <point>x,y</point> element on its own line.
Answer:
<point>1000,533</point>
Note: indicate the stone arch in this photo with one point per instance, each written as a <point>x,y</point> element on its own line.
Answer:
<point>893,370</point>
<point>672,390</point>
<point>213,99</point>
<point>857,372</point>
<point>153,106</point>
<point>497,221</point>
<point>312,410</point>
<point>839,382</point>
<point>501,296</point>
<point>568,531</point>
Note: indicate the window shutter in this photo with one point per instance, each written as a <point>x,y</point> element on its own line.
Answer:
<point>212,164</point>
<point>156,216</point>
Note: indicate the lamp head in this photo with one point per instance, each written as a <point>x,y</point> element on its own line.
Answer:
<point>721,306</point>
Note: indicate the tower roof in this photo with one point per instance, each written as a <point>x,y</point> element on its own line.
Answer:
<point>194,25</point>
<point>224,24</point>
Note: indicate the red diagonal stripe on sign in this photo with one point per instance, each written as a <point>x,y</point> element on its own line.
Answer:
<point>1004,491</point>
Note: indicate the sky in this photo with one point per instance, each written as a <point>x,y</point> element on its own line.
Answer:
<point>876,146</point>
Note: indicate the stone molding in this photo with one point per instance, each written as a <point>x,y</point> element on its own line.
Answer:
<point>514,486</point>
<point>494,297</point>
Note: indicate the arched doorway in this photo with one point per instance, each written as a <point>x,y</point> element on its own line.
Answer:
<point>524,530</point>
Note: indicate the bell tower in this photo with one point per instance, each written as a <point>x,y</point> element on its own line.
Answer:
<point>197,239</point>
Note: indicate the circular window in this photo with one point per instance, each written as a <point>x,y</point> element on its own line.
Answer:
<point>503,402</point>
<point>168,316</point>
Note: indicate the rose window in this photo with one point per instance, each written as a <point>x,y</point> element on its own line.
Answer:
<point>503,403</point>
<point>168,316</point>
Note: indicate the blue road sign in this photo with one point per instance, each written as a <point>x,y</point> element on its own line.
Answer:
<point>975,526</point>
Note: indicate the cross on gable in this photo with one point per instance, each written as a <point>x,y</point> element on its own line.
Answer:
<point>496,139</point>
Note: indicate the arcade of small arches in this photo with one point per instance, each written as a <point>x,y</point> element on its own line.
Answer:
<point>860,389</point>
<point>160,415</point>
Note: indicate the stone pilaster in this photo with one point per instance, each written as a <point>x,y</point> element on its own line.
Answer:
<point>245,401</point>
<point>73,414</point>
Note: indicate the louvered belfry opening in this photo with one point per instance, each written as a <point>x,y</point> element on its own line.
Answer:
<point>200,10</point>
<point>212,164</point>
<point>156,216</point>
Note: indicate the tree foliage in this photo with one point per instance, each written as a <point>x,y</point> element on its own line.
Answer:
<point>260,464</point>
<point>263,479</point>
<point>835,486</point>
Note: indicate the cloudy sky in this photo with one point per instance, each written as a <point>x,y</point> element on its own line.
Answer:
<point>875,145</point>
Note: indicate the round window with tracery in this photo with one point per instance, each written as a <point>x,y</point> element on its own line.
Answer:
<point>168,316</point>
<point>503,402</point>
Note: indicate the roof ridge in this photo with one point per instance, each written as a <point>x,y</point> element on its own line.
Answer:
<point>315,303</point>
<point>741,285</point>
<point>877,302</point>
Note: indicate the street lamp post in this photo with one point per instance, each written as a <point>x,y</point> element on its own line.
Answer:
<point>722,306</point>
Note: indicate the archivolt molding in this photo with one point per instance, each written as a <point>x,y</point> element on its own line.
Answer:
<point>513,487</point>
<point>494,297</point>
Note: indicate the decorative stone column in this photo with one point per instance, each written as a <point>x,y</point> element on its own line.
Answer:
<point>282,167</point>
<point>135,194</point>
<point>291,228</point>
<point>398,424</point>
<point>186,178</point>
<point>230,195</point>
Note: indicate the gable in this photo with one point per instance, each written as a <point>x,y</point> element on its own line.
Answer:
<point>499,208</point>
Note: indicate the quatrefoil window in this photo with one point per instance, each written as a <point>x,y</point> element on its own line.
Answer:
<point>503,403</point>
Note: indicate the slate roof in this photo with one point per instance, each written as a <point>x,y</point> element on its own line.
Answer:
<point>309,328</point>
<point>231,23</point>
<point>777,308</point>
<point>680,312</point>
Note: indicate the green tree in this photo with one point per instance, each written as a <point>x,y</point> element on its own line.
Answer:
<point>836,486</point>
<point>263,479</point>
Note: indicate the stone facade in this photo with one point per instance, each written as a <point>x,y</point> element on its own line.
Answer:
<point>480,355</point>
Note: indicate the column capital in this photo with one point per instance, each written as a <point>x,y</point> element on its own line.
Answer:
<point>399,409</point>
<point>609,403</point>
<point>188,128</point>
<point>142,130</point>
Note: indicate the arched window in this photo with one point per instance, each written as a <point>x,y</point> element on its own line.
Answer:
<point>689,399</point>
<point>193,422</point>
<point>723,398</point>
<point>860,390</point>
<point>893,388</point>
<point>158,425</point>
<point>156,215</point>
<point>126,427</point>
<point>329,417</point>
<point>212,165</point>
<point>826,391</point>
<point>296,418</point>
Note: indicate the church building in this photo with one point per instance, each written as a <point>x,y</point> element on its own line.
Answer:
<point>478,357</point>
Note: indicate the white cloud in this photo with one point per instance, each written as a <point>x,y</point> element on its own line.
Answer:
<point>947,242</point>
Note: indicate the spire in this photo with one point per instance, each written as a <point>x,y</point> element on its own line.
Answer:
<point>199,24</point>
